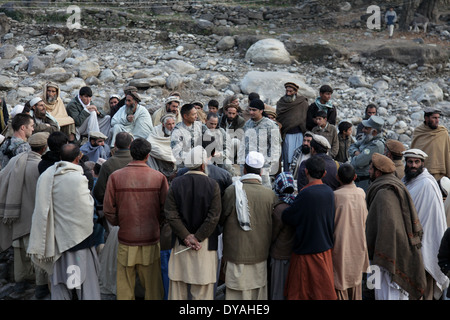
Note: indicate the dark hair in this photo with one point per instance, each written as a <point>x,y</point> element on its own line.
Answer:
<point>251,169</point>
<point>253,96</point>
<point>318,147</point>
<point>56,140</point>
<point>346,173</point>
<point>186,108</point>
<point>315,166</point>
<point>211,115</point>
<point>140,148</point>
<point>344,126</point>
<point>69,152</point>
<point>370,106</point>
<point>213,103</point>
<point>257,103</point>
<point>322,114</point>
<point>27,107</point>
<point>37,148</point>
<point>20,119</point>
<point>97,168</point>
<point>123,140</point>
<point>85,91</point>
<point>325,88</point>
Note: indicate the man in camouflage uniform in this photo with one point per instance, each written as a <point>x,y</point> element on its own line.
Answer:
<point>262,135</point>
<point>361,151</point>
<point>23,127</point>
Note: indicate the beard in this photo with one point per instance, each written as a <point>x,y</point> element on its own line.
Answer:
<point>431,125</point>
<point>409,174</point>
<point>289,99</point>
<point>51,99</point>
<point>167,132</point>
<point>306,149</point>
<point>366,138</point>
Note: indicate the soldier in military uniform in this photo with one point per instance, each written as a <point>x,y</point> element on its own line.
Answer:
<point>361,151</point>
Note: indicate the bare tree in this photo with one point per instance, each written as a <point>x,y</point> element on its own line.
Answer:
<point>423,7</point>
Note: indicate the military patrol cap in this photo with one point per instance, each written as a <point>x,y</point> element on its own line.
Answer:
<point>415,153</point>
<point>383,163</point>
<point>395,147</point>
<point>375,122</point>
<point>38,139</point>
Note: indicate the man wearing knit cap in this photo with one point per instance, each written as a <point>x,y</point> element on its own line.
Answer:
<point>87,116</point>
<point>43,120</point>
<point>133,118</point>
<point>193,208</point>
<point>427,197</point>
<point>394,151</point>
<point>247,230</point>
<point>433,138</point>
<point>291,114</point>
<point>361,151</point>
<point>262,135</point>
<point>18,180</point>
<point>394,235</point>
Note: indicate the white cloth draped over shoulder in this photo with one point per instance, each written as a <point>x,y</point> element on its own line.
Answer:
<point>140,127</point>
<point>427,198</point>
<point>160,145</point>
<point>63,215</point>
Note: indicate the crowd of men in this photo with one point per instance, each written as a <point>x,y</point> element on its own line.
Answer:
<point>271,203</point>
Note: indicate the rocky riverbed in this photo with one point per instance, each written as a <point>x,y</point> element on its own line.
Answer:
<point>402,75</point>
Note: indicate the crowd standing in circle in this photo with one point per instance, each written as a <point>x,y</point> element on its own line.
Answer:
<point>196,199</point>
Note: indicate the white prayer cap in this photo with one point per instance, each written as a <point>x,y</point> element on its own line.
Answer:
<point>255,160</point>
<point>444,183</point>
<point>115,96</point>
<point>322,141</point>
<point>17,109</point>
<point>415,153</point>
<point>34,101</point>
<point>195,158</point>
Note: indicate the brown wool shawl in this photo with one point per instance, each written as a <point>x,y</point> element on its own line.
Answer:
<point>436,144</point>
<point>401,257</point>
<point>292,114</point>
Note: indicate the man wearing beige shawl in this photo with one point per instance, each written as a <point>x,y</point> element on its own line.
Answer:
<point>394,235</point>
<point>62,225</point>
<point>17,197</point>
<point>350,258</point>
<point>433,139</point>
<point>55,106</point>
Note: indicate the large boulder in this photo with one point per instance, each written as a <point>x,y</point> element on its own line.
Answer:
<point>88,69</point>
<point>428,93</point>
<point>268,51</point>
<point>263,83</point>
<point>409,52</point>
<point>314,51</point>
